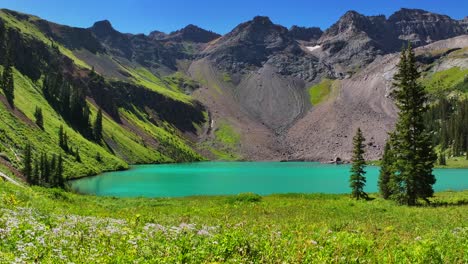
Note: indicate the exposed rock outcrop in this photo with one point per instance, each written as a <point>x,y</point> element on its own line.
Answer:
<point>311,34</point>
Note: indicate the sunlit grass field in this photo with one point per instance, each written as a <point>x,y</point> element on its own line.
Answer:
<point>52,226</point>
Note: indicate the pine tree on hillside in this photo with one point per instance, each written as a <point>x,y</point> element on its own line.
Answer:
<point>63,139</point>
<point>386,170</point>
<point>60,182</point>
<point>77,155</point>
<point>98,126</point>
<point>3,42</point>
<point>412,145</point>
<point>27,167</point>
<point>7,83</point>
<point>357,179</point>
<point>39,117</point>
<point>442,158</point>
<point>36,178</point>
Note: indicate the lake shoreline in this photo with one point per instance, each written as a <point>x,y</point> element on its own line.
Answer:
<point>225,178</point>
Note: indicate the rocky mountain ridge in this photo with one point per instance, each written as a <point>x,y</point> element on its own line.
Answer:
<point>262,80</point>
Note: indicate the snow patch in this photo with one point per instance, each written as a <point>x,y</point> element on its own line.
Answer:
<point>313,48</point>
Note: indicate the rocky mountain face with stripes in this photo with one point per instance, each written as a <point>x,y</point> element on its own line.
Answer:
<point>261,91</point>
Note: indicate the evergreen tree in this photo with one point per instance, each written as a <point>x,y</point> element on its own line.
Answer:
<point>412,145</point>
<point>63,139</point>
<point>60,182</point>
<point>36,179</point>
<point>7,83</point>
<point>3,43</point>
<point>357,179</point>
<point>42,170</point>
<point>77,155</point>
<point>98,157</point>
<point>386,170</point>
<point>98,126</point>
<point>442,158</point>
<point>47,170</point>
<point>27,168</point>
<point>39,117</point>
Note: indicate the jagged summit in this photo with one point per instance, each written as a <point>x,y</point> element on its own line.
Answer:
<point>412,14</point>
<point>157,35</point>
<point>102,28</point>
<point>305,33</point>
<point>193,33</point>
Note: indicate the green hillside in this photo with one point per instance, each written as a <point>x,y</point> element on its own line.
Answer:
<point>137,129</point>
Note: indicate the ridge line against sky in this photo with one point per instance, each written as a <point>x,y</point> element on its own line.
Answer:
<point>144,16</point>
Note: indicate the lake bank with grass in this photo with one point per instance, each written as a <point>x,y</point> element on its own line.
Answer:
<point>50,225</point>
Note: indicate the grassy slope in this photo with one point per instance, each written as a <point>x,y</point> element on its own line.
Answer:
<point>126,144</point>
<point>451,81</point>
<point>143,77</point>
<point>225,145</point>
<point>322,91</point>
<point>31,30</point>
<point>277,229</point>
<point>447,80</point>
<point>166,135</point>
<point>15,133</point>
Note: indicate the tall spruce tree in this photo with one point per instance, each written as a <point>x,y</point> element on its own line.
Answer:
<point>386,170</point>
<point>412,148</point>
<point>39,117</point>
<point>27,167</point>
<point>60,182</point>
<point>7,83</point>
<point>357,179</point>
<point>98,126</point>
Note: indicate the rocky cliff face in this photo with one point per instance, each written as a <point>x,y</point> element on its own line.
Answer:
<point>250,44</point>
<point>311,34</point>
<point>421,27</point>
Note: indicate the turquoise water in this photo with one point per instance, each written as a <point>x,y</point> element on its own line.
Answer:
<point>221,178</point>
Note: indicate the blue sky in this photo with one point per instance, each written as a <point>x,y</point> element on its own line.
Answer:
<point>143,16</point>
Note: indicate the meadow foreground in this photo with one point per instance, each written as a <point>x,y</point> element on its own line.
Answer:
<point>53,226</point>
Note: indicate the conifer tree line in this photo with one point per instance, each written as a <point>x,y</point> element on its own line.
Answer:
<point>6,79</point>
<point>65,146</point>
<point>448,118</point>
<point>70,100</point>
<point>42,170</point>
<point>409,157</point>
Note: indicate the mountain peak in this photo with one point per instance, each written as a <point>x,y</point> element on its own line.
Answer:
<point>158,35</point>
<point>105,24</point>
<point>192,33</point>
<point>102,28</point>
<point>262,20</point>
<point>407,14</point>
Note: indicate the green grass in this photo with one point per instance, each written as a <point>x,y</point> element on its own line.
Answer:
<point>226,135</point>
<point>227,78</point>
<point>179,81</point>
<point>29,29</point>
<point>125,145</point>
<point>447,80</point>
<point>320,92</point>
<point>52,226</point>
<point>456,163</point>
<point>144,77</point>
<point>176,148</point>
<point>225,145</point>
<point>15,132</point>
